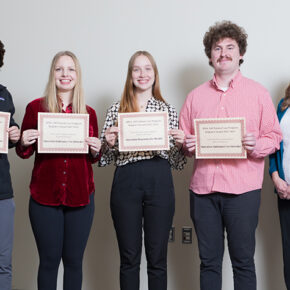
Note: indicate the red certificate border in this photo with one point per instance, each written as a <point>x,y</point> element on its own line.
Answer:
<point>199,155</point>
<point>4,148</point>
<point>122,147</point>
<point>41,116</point>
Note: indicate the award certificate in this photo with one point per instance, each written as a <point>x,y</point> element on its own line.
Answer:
<point>220,138</point>
<point>62,133</point>
<point>4,137</point>
<point>143,131</point>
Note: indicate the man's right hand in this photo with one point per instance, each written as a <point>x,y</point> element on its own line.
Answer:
<point>189,143</point>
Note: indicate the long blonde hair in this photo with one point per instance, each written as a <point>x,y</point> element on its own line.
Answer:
<point>128,100</point>
<point>50,94</point>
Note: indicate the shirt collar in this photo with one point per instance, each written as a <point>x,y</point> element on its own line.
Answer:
<point>233,82</point>
<point>2,88</point>
<point>68,108</point>
<point>151,100</point>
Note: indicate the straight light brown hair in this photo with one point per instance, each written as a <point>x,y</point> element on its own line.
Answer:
<point>128,101</point>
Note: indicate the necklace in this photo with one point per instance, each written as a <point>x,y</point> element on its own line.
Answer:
<point>143,105</point>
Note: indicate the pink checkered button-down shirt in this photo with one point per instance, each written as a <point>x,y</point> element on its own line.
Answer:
<point>244,98</point>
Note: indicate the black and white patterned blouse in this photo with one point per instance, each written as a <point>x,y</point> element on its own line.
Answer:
<point>173,155</point>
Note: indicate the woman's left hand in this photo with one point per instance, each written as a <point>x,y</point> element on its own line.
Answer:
<point>287,195</point>
<point>178,136</point>
<point>95,145</point>
<point>14,134</point>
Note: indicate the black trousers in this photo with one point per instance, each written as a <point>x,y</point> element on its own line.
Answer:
<point>61,233</point>
<point>284,214</point>
<point>212,214</point>
<point>143,196</point>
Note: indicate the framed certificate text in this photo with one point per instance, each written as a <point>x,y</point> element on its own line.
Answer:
<point>4,136</point>
<point>220,138</point>
<point>143,131</point>
<point>62,133</point>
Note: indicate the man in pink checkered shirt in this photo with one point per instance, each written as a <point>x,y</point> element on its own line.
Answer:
<point>225,193</point>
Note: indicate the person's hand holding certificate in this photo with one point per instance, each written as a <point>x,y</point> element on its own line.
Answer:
<point>4,126</point>
<point>143,131</point>
<point>220,138</point>
<point>63,133</point>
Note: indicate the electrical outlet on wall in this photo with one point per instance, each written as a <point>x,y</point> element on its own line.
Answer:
<point>186,235</point>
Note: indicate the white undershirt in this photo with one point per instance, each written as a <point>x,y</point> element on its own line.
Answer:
<point>285,127</point>
<point>224,89</point>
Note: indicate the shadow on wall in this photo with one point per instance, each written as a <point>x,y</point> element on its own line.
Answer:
<point>101,263</point>
<point>191,76</point>
<point>269,245</point>
<point>183,259</point>
<point>25,258</point>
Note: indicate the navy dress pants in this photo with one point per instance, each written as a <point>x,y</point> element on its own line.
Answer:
<point>61,233</point>
<point>214,213</point>
<point>142,197</point>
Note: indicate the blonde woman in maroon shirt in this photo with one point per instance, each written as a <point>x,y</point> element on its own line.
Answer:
<point>62,188</point>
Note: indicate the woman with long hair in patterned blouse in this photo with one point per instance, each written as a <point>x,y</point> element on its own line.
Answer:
<point>142,194</point>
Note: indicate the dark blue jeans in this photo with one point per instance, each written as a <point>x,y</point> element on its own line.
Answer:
<point>214,213</point>
<point>284,214</point>
<point>7,208</point>
<point>143,196</point>
<point>61,233</point>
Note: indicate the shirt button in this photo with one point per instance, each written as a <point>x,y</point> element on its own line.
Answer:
<point>64,172</point>
<point>217,167</point>
<point>63,184</point>
<point>222,108</point>
<point>64,161</point>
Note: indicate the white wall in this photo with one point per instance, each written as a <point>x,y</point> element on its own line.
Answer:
<point>104,34</point>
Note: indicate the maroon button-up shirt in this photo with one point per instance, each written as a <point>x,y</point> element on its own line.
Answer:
<point>59,179</point>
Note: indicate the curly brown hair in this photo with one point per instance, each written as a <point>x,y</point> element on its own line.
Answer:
<point>225,29</point>
<point>2,52</point>
<point>286,102</point>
